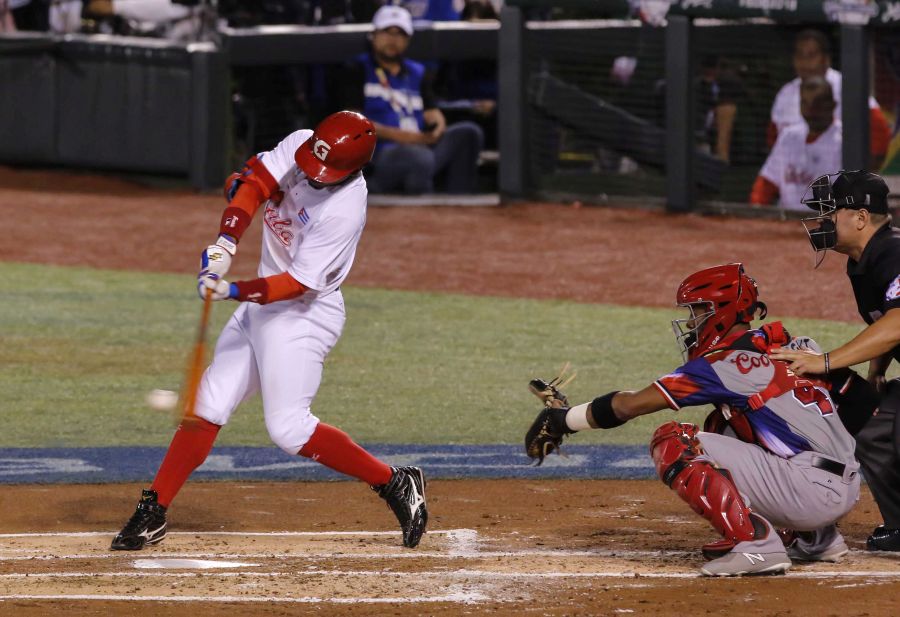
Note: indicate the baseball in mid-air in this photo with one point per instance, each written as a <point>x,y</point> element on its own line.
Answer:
<point>162,400</point>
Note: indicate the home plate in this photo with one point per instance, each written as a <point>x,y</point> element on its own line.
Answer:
<point>188,564</point>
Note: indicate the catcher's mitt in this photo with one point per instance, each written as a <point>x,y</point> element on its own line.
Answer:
<point>550,391</point>
<point>549,428</point>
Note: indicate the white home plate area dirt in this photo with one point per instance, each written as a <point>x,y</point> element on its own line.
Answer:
<point>495,547</point>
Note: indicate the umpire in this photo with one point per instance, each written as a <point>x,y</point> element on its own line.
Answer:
<point>854,220</point>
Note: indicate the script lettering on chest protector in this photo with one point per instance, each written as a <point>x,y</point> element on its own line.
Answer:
<point>279,226</point>
<point>746,363</point>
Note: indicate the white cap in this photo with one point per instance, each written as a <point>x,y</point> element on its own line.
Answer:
<point>393,16</point>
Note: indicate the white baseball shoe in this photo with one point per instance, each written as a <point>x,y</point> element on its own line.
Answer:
<point>765,555</point>
<point>826,544</point>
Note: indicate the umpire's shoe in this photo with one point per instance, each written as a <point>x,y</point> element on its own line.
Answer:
<point>405,494</point>
<point>146,526</point>
<point>884,539</point>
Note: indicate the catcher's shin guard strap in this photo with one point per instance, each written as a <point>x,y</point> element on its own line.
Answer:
<point>602,411</point>
<point>709,491</point>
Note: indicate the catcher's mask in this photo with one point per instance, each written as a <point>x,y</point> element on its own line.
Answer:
<point>718,298</point>
<point>844,189</point>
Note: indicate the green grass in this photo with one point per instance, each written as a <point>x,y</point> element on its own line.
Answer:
<point>79,349</point>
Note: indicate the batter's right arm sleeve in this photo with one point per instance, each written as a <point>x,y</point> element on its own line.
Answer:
<point>256,185</point>
<point>269,289</point>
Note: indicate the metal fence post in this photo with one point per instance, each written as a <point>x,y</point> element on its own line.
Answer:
<point>855,96</point>
<point>209,141</point>
<point>512,102</point>
<point>680,187</point>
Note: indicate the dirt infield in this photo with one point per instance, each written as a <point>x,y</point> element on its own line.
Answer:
<point>496,547</point>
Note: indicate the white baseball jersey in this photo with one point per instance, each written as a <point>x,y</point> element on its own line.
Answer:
<point>279,349</point>
<point>312,233</point>
<point>793,164</point>
<point>786,108</point>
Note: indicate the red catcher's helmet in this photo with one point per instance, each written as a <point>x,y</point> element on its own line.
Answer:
<point>718,298</point>
<point>341,144</point>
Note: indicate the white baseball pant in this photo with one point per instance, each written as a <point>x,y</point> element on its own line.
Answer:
<point>278,350</point>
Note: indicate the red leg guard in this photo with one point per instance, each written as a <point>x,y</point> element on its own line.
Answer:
<point>709,491</point>
<point>668,445</point>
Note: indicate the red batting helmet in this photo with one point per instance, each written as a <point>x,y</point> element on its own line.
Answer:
<point>341,144</point>
<point>718,298</point>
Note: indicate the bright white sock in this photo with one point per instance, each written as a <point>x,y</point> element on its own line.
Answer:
<point>577,418</point>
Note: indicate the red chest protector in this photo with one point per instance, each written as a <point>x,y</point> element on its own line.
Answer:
<point>783,380</point>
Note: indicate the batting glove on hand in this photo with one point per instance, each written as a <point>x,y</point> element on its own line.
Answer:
<point>221,289</point>
<point>216,258</point>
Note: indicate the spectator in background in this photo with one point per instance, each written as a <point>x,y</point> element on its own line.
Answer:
<point>7,24</point>
<point>802,152</point>
<point>30,14</point>
<point>812,58</point>
<point>433,10</point>
<point>65,16</point>
<point>164,18</point>
<point>718,91</point>
<point>415,145</point>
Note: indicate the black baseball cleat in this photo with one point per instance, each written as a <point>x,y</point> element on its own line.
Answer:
<point>405,494</point>
<point>146,526</point>
<point>884,539</point>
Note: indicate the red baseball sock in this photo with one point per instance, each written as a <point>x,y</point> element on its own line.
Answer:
<point>333,448</point>
<point>189,448</point>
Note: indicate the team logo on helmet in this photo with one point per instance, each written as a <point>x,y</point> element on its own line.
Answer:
<point>321,150</point>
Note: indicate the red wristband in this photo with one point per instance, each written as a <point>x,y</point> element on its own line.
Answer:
<point>235,222</point>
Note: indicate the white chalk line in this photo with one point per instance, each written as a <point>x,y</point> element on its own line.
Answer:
<point>464,573</point>
<point>459,598</point>
<point>87,534</point>
<point>409,554</point>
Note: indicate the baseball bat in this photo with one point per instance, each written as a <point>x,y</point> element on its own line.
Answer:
<point>196,365</point>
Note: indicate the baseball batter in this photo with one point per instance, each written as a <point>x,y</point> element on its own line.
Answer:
<point>773,452</point>
<point>313,198</point>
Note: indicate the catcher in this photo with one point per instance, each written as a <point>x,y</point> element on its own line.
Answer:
<point>774,452</point>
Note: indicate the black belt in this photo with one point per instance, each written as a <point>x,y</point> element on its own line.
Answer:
<point>828,465</point>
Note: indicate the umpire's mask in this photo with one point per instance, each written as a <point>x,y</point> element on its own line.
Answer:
<point>821,230</point>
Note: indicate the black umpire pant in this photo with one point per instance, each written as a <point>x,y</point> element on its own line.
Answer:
<point>878,451</point>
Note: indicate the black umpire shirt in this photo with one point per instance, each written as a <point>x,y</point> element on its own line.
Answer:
<point>876,277</point>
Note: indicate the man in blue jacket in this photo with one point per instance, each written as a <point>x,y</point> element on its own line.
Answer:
<point>415,145</point>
